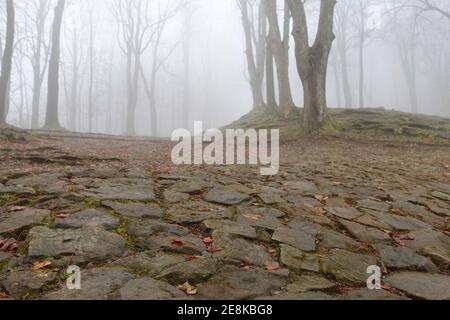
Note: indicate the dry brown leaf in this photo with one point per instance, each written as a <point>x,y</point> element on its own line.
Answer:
<point>321,198</point>
<point>272,266</point>
<point>208,240</point>
<point>214,249</point>
<point>252,216</point>
<point>3,295</point>
<point>8,244</point>
<point>188,289</point>
<point>41,264</point>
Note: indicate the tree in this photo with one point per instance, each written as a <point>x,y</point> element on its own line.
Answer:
<point>406,39</point>
<point>255,29</point>
<point>361,16</point>
<point>312,61</point>
<point>133,39</point>
<point>280,50</point>
<point>424,6</point>
<point>165,13</point>
<point>343,14</point>
<point>39,48</point>
<point>7,60</point>
<point>91,66</point>
<point>52,120</point>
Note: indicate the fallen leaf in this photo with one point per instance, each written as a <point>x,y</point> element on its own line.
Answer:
<point>252,216</point>
<point>8,244</point>
<point>188,289</point>
<point>248,262</point>
<point>192,257</point>
<point>208,240</point>
<point>321,198</point>
<point>41,264</point>
<point>3,295</point>
<point>214,249</point>
<point>271,250</point>
<point>272,266</point>
<point>17,208</point>
<point>177,243</point>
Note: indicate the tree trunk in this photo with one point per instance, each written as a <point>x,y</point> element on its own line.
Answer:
<point>361,71</point>
<point>38,74</point>
<point>256,74</point>
<point>187,70</point>
<point>312,62</point>
<point>270,78</point>
<point>91,69</point>
<point>337,80</point>
<point>7,61</point>
<point>280,49</point>
<point>52,120</point>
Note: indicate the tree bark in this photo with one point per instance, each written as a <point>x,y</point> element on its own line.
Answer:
<point>7,61</point>
<point>312,61</point>
<point>52,120</point>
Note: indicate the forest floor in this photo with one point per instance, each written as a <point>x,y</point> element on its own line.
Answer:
<point>141,228</point>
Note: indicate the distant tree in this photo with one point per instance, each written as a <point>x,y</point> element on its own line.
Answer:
<point>361,14</point>
<point>342,21</point>
<point>52,119</point>
<point>312,61</point>
<point>167,9</point>
<point>254,22</point>
<point>38,52</point>
<point>424,6</point>
<point>7,61</point>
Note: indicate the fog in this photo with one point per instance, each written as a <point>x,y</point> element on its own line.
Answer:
<point>197,68</point>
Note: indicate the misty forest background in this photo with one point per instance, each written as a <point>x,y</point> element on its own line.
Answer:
<point>147,67</point>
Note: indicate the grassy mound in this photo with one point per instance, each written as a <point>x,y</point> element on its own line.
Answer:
<point>12,134</point>
<point>373,124</point>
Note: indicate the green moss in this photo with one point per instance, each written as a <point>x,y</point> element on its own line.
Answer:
<point>123,231</point>
<point>7,198</point>
<point>91,203</point>
<point>234,213</point>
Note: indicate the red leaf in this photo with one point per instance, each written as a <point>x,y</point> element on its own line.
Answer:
<point>214,249</point>
<point>208,240</point>
<point>177,243</point>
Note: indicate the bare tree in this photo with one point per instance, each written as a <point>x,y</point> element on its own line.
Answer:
<point>280,50</point>
<point>343,15</point>
<point>406,46</point>
<point>38,53</point>
<point>91,67</point>
<point>254,22</point>
<point>134,37</point>
<point>312,61</point>
<point>361,16</point>
<point>7,60</point>
<point>52,119</point>
<point>166,11</point>
<point>424,6</point>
